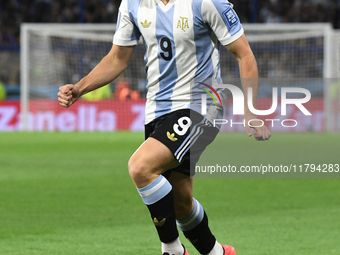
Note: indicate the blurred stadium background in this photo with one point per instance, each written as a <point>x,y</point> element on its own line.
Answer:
<point>70,193</point>
<point>296,40</point>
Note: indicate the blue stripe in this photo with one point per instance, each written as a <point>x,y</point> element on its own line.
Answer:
<point>157,195</point>
<point>228,15</point>
<point>218,74</point>
<point>193,218</point>
<point>204,47</point>
<point>119,17</point>
<point>167,68</point>
<point>133,7</point>
<point>146,60</point>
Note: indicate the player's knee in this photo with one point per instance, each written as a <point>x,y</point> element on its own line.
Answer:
<point>137,169</point>
<point>134,168</point>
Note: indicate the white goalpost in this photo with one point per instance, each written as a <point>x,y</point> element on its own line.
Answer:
<point>57,54</point>
<point>47,59</point>
<point>332,89</point>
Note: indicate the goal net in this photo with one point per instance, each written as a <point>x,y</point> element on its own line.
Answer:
<point>55,54</point>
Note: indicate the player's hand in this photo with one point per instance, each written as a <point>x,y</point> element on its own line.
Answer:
<point>261,133</point>
<point>67,95</point>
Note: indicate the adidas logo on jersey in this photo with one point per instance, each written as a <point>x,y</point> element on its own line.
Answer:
<point>146,24</point>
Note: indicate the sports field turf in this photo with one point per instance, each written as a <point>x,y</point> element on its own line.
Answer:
<point>70,193</point>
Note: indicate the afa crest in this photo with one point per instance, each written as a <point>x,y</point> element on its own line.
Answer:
<point>183,23</point>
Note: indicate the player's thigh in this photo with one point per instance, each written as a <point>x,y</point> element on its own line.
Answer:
<point>182,186</point>
<point>151,158</point>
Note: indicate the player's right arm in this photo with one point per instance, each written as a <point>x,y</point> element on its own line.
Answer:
<point>109,68</point>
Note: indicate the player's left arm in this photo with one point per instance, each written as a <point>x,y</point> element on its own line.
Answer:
<point>249,76</point>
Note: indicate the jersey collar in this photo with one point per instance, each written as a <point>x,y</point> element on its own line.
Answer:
<point>167,7</point>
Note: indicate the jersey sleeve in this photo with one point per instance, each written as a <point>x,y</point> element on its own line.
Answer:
<point>127,33</point>
<point>223,20</point>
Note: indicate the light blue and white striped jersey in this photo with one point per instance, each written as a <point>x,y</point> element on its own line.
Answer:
<point>181,40</point>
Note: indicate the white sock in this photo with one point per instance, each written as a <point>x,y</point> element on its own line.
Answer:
<point>217,250</point>
<point>174,247</point>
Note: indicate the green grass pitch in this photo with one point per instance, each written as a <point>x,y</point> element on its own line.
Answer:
<point>70,193</point>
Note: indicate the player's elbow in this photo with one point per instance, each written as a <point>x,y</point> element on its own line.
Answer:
<point>246,57</point>
<point>248,67</point>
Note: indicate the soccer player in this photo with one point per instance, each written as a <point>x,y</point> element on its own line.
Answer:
<point>181,38</point>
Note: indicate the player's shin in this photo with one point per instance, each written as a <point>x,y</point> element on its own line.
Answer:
<point>196,229</point>
<point>159,198</point>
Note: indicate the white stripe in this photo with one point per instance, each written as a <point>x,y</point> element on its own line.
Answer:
<point>148,11</point>
<point>195,139</point>
<point>191,133</point>
<point>124,32</point>
<point>215,58</point>
<point>194,218</point>
<point>187,143</point>
<point>197,133</point>
<point>154,189</point>
<point>186,66</point>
